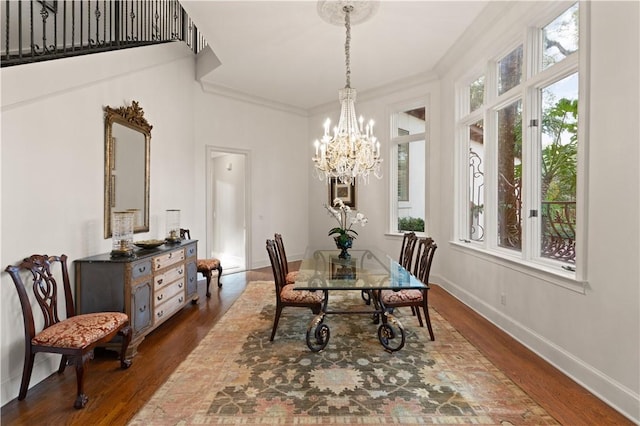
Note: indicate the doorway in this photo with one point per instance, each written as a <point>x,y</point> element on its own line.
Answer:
<point>228,230</point>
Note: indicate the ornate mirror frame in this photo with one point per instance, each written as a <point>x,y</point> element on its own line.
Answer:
<point>133,170</point>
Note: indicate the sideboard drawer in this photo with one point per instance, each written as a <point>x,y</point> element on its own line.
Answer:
<point>168,259</point>
<point>167,292</point>
<point>165,310</point>
<point>192,250</point>
<point>168,276</point>
<point>141,269</point>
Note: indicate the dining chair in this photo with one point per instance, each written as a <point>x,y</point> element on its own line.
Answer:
<point>74,337</point>
<point>205,266</point>
<point>286,295</point>
<point>406,260</point>
<point>415,298</point>
<point>290,276</point>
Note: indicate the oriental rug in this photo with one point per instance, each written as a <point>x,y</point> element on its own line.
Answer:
<point>237,376</point>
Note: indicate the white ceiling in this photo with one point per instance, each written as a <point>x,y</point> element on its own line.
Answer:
<point>284,52</point>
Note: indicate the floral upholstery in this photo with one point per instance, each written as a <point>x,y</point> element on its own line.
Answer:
<point>289,295</point>
<point>208,264</point>
<point>292,277</point>
<point>301,275</point>
<point>81,330</point>
<point>401,296</point>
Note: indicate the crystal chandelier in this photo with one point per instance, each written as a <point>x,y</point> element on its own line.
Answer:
<point>351,151</point>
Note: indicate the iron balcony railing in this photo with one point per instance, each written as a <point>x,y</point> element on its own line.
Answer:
<point>42,30</point>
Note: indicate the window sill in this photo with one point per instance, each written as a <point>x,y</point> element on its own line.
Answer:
<point>552,275</point>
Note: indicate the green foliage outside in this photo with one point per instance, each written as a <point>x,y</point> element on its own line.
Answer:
<point>415,224</point>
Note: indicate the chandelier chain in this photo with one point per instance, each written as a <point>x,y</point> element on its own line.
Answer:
<point>347,43</point>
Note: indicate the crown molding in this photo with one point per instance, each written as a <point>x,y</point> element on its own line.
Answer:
<point>227,92</point>
<point>380,91</point>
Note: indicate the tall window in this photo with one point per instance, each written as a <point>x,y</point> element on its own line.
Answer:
<point>518,153</point>
<point>408,170</point>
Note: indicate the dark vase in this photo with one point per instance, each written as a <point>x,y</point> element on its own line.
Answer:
<point>344,243</point>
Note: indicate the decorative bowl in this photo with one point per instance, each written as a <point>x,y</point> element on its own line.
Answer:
<point>148,244</point>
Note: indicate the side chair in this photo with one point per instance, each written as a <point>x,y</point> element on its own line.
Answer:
<point>74,337</point>
<point>286,295</point>
<point>205,266</point>
<point>415,298</point>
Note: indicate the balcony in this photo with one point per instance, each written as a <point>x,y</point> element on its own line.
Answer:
<point>42,30</point>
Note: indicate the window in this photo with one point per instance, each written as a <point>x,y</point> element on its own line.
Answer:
<point>408,170</point>
<point>518,148</point>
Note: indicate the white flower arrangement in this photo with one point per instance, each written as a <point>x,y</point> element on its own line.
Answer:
<point>346,218</point>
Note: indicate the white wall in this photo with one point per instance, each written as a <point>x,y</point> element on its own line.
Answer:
<point>595,337</point>
<point>53,163</point>
<point>277,144</point>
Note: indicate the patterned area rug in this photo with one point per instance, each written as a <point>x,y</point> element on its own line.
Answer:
<point>236,376</point>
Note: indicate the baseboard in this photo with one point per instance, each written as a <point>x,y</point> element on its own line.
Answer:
<point>614,394</point>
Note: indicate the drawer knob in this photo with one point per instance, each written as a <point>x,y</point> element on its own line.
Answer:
<point>181,299</point>
<point>160,297</point>
<point>180,285</point>
<point>160,281</point>
<point>161,313</point>
<point>142,269</point>
<point>143,308</point>
<point>180,272</point>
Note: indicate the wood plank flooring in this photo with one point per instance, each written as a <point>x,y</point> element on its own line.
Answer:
<point>116,395</point>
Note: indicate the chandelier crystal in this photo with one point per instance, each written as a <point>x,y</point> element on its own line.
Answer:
<point>351,150</point>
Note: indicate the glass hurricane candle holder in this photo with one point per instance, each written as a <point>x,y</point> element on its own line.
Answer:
<point>122,234</point>
<point>173,226</point>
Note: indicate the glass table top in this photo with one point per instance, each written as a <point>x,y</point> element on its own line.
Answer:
<point>322,269</point>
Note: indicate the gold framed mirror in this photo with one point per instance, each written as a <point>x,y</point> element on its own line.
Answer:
<point>126,165</point>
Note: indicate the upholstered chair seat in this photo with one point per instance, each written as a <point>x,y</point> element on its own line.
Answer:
<point>289,295</point>
<point>80,331</point>
<point>401,296</point>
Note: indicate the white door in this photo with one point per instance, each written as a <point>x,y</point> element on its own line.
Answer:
<point>227,195</point>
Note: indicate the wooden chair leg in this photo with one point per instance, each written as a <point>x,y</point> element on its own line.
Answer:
<point>276,319</point>
<point>207,274</point>
<point>126,333</point>
<point>81,398</point>
<point>428,320</point>
<point>417,313</point>
<point>63,364</point>
<point>26,374</point>
<point>220,276</point>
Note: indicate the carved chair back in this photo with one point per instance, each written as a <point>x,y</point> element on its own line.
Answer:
<point>276,266</point>
<point>406,251</point>
<point>423,268</point>
<point>282,254</point>
<point>45,289</point>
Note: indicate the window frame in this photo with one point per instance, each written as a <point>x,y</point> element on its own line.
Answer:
<point>534,78</point>
<point>394,141</point>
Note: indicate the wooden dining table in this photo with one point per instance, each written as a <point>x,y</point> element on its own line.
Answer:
<point>367,271</point>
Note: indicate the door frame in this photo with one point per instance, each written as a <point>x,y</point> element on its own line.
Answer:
<point>209,149</point>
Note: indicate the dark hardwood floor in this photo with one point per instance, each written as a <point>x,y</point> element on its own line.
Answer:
<point>116,395</point>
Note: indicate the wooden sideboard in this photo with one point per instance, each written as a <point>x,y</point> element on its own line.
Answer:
<point>150,286</point>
